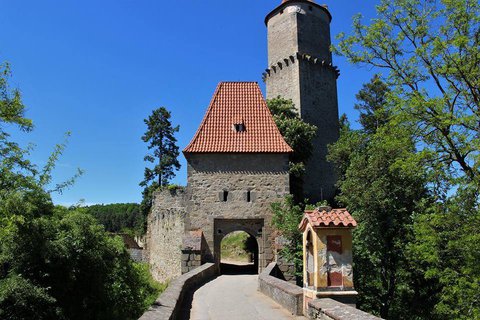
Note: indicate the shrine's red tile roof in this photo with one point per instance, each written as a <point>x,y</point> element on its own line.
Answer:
<point>238,103</point>
<point>325,217</point>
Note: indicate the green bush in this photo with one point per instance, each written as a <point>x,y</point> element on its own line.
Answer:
<point>76,267</point>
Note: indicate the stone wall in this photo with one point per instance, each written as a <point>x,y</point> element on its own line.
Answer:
<point>284,293</point>
<point>287,268</point>
<point>232,192</point>
<point>165,231</point>
<point>169,305</point>
<point>329,309</point>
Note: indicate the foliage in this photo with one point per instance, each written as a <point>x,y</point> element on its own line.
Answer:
<point>382,187</point>
<point>238,246</point>
<point>447,250</point>
<point>286,218</point>
<point>288,213</point>
<point>20,299</point>
<point>88,273</point>
<point>298,134</point>
<point>118,217</point>
<point>160,136</point>
<point>430,53</point>
<point>147,202</point>
<point>372,104</point>
<point>12,108</point>
<point>153,289</point>
<point>56,263</point>
<point>383,193</point>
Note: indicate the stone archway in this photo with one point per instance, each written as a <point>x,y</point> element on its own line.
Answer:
<point>254,227</point>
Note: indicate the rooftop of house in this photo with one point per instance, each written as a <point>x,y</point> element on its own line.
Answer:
<point>326,217</point>
<point>238,121</point>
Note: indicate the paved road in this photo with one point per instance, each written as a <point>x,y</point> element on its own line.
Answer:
<point>235,297</point>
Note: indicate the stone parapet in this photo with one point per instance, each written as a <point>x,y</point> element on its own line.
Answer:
<point>284,293</point>
<point>169,304</point>
<point>329,309</point>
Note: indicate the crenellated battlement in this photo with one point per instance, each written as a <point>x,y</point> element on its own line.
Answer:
<point>300,57</point>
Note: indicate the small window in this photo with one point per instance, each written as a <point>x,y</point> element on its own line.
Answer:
<point>249,196</point>
<point>310,8</point>
<point>225,196</point>
<point>239,127</point>
<point>281,11</point>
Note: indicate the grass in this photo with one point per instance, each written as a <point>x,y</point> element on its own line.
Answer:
<point>234,247</point>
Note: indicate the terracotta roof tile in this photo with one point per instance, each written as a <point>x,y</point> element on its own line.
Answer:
<point>326,217</point>
<point>238,103</point>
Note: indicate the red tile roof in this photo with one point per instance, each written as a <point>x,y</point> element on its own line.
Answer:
<point>238,103</point>
<point>325,217</point>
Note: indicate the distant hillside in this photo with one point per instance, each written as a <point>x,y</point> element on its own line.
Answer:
<point>119,217</point>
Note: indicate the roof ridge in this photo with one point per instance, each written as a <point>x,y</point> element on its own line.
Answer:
<point>238,82</point>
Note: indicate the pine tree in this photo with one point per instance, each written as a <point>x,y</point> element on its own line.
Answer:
<point>161,140</point>
<point>160,136</point>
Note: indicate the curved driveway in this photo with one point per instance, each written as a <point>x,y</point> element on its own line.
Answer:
<point>235,297</point>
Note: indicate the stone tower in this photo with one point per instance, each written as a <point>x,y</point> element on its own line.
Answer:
<point>300,69</point>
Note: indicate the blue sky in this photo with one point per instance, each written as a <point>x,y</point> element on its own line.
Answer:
<point>98,68</point>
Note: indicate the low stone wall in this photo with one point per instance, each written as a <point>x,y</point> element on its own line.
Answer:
<point>284,293</point>
<point>329,309</point>
<point>168,305</point>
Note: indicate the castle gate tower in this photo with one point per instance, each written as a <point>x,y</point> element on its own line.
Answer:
<point>300,69</point>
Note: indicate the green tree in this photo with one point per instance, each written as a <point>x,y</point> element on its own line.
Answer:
<point>286,218</point>
<point>118,217</point>
<point>383,190</point>
<point>160,136</point>
<point>54,263</point>
<point>288,213</point>
<point>430,53</point>
<point>372,104</point>
<point>298,134</point>
<point>82,271</point>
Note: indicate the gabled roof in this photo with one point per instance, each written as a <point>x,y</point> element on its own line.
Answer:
<point>238,103</point>
<point>326,217</point>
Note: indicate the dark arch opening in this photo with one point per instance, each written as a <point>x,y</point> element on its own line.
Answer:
<point>239,253</point>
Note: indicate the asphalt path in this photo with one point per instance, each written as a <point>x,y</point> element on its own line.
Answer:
<point>235,297</point>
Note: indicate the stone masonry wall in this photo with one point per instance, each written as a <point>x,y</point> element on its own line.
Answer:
<point>166,227</point>
<point>264,176</point>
